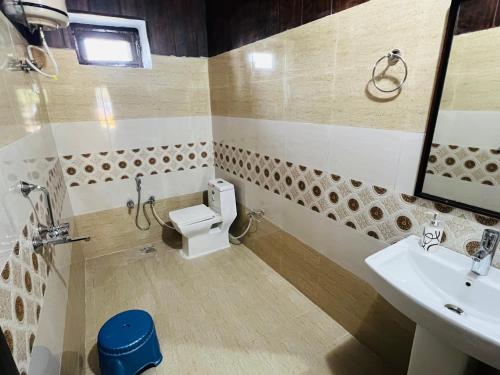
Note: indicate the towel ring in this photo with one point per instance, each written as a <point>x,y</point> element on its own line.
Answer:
<point>393,58</point>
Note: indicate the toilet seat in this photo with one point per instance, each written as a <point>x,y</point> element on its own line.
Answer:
<point>192,215</point>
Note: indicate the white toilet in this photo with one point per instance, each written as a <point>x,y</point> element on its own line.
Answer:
<point>206,229</point>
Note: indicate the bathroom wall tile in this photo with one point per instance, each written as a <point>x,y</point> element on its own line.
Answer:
<point>377,211</point>
<point>376,154</point>
<point>95,197</point>
<point>468,128</point>
<point>338,91</point>
<point>409,162</point>
<point>81,137</point>
<point>309,98</point>
<point>311,45</point>
<point>174,87</point>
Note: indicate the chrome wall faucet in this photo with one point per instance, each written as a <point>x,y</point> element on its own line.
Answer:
<point>482,259</point>
<point>51,234</point>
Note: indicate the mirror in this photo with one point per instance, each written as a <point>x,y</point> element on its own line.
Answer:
<point>461,159</point>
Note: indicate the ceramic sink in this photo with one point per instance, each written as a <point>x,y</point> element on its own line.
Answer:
<point>460,310</point>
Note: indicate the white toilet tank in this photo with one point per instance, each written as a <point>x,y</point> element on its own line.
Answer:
<point>221,198</point>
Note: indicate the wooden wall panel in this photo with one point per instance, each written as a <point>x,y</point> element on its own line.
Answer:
<point>477,15</point>
<point>249,21</point>
<point>175,27</point>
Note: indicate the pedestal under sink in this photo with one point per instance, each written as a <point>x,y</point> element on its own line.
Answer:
<point>457,312</point>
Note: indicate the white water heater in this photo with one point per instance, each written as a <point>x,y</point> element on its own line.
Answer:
<point>49,14</point>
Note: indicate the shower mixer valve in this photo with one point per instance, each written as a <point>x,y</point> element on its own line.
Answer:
<point>51,234</point>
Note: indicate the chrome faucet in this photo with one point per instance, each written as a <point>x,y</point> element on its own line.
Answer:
<point>482,259</point>
<point>51,234</point>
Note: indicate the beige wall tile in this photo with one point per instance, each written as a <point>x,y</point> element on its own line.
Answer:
<point>325,68</point>
<point>473,74</point>
<point>175,86</point>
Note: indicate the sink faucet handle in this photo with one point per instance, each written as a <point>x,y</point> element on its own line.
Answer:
<point>490,240</point>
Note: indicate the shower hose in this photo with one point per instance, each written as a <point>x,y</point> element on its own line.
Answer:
<point>253,216</point>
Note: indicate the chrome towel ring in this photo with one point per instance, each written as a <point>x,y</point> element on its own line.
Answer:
<point>393,58</point>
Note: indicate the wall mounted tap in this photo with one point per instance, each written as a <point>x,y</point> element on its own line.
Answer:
<point>482,259</point>
<point>53,233</point>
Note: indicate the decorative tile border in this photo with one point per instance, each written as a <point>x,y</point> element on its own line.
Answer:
<point>109,166</point>
<point>373,210</point>
<point>23,280</point>
<point>471,164</point>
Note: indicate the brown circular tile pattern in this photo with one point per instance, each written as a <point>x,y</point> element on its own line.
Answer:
<point>122,164</point>
<point>335,177</point>
<point>471,247</point>
<point>469,164</point>
<point>450,161</point>
<point>356,183</point>
<point>27,282</point>
<point>404,223</point>
<point>408,198</point>
<point>302,185</point>
<point>353,204</point>
<point>106,166</point>
<point>492,167</point>
<point>444,208</point>
<point>277,176</point>
<point>19,308</point>
<point>179,158</point>
<point>6,271</point>
<point>379,190</point>
<point>316,191</point>
<point>166,159</point>
<point>288,180</point>
<point>34,261</point>
<point>351,224</point>
<point>432,159</point>
<point>89,169</point>
<point>137,162</point>
<point>204,154</point>
<point>71,171</point>
<point>486,220</point>
<point>152,161</point>
<point>376,213</point>
<point>334,197</point>
<point>192,156</point>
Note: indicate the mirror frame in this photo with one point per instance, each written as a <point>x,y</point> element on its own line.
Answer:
<point>433,115</point>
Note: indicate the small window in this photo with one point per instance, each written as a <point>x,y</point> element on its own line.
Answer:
<point>107,45</point>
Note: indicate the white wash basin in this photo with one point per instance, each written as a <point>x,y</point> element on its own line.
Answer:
<point>420,284</point>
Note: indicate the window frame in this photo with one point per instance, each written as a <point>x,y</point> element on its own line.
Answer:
<point>96,20</point>
<point>131,35</point>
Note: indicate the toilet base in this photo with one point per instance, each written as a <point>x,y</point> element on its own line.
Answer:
<point>203,245</point>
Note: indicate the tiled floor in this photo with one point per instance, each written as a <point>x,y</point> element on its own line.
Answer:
<point>226,313</point>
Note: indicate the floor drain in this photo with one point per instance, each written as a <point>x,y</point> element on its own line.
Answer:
<point>148,250</point>
<point>454,308</point>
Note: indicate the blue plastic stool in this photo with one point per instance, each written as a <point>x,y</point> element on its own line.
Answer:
<point>127,344</point>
